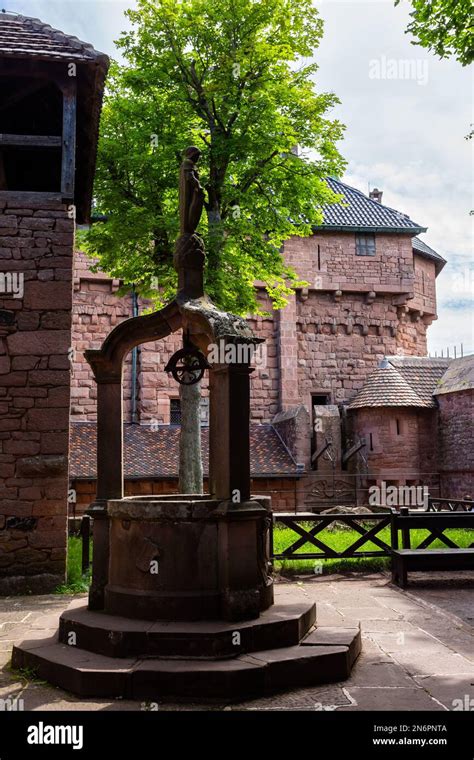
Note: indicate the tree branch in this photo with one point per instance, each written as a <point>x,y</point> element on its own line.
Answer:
<point>254,175</point>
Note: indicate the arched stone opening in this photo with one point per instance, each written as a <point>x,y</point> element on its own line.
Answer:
<point>222,524</point>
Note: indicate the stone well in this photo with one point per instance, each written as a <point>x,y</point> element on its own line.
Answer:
<point>188,558</point>
<point>182,599</point>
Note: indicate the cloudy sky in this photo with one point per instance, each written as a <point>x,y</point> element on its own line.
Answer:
<point>406,113</point>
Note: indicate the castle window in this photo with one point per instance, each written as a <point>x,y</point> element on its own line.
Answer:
<point>398,426</point>
<point>175,411</point>
<point>320,399</point>
<point>365,244</point>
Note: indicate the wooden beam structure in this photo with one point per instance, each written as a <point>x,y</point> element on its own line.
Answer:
<point>3,178</point>
<point>23,93</point>
<point>68,139</point>
<point>26,197</point>
<point>31,141</point>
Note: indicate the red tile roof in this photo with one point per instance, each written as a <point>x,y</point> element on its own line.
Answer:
<point>422,373</point>
<point>386,387</point>
<point>22,36</point>
<point>155,453</point>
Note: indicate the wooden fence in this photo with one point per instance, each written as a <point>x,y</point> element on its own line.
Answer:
<point>307,526</point>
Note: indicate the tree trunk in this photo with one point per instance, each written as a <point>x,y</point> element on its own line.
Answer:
<point>215,234</point>
<point>190,462</point>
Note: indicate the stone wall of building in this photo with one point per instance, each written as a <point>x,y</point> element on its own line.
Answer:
<point>342,340</point>
<point>428,445</point>
<point>328,260</point>
<point>456,437</point>
<point>328,339</point>
<point>425,285</point>
<point>96,311</point>
<point>36,242</point>
<point>397,439</point>
<point>283,491</point>
<point>411,334</point>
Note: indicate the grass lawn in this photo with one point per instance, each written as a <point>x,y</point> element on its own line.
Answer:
<point>340,540</point>
<point>76,582</point>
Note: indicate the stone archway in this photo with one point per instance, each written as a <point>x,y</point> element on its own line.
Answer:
<point>229,391</point>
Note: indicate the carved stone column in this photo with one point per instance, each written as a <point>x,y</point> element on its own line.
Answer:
<point>109,468</point>
<point>229,431</point>
<point>109,481</point>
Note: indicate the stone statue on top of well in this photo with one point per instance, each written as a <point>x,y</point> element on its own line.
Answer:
<point>189,250</point>
<point>191,192</point>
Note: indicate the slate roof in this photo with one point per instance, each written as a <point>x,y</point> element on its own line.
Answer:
<point>21,36</point>
<point>360,213</point>
<point>155,453</point>
<point>419,246</point>
<point>458,377</point>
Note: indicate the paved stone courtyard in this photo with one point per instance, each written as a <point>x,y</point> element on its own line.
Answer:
<point>418,647</point>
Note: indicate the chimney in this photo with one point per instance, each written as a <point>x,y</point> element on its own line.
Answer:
<point>376,195</point>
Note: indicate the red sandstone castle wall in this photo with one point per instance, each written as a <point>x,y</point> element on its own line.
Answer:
<point>341,342</point>
<point>282,490</point>
<point>395,458</point>
<point>456,436</point>
<point>36,240</point>
<point>328,259</point>
<point>320,341</point>
<point>96,311</point>
<point>425,285</point>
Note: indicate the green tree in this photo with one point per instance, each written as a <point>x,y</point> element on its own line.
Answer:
<point>445,27</point>
<point>235,78</point>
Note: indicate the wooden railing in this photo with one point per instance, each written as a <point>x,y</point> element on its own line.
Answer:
<point>308,525</point>
<point>434,524</point>
<point>450,505</point>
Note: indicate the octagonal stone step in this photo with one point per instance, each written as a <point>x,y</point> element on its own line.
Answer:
<point>335,636</point>
<point>282,625</point>
<point>93,675</point>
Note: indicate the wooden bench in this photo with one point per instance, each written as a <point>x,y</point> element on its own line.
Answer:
<point>422,558</point>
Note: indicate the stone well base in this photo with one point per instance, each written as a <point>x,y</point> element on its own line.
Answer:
<point>188,557</point>
<point>95,654</point>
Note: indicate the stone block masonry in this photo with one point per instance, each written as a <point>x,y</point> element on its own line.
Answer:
<point>456,433</point>
<point>36,244</point>
<point>324,340</point>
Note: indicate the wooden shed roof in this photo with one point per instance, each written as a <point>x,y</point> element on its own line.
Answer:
<point>23,40</point>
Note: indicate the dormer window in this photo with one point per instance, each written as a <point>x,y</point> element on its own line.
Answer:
<point>365,244</point>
